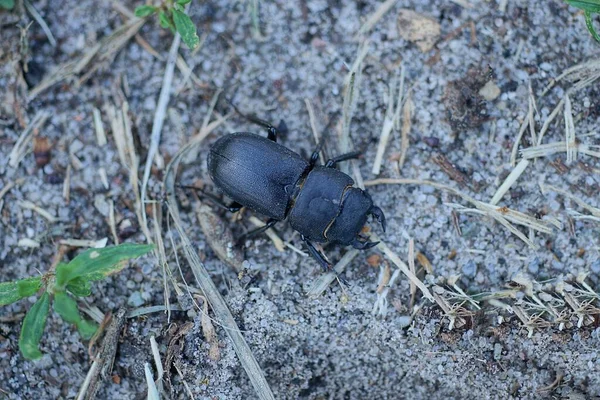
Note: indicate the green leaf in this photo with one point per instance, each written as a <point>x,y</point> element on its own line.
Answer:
<point>144,11</point>
<point>165,21</point>
<point>87,329</point>
<point>14,291</point>
<point>183,2</point>
<point>80,287</point>
<point>7,4</point>
<point>66,307</point>
<point>29,287</point>
<point>95,264</point>
<point>590,25</point>
<point>178,7</point>
<point>186,29</point>
<point>33,328</point>
<point>586,5</point>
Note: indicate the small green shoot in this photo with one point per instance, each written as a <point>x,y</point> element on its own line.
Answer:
<point>589,8</point>
<point>58,289</point>
<point>7,4</point>
<point>171,15</point>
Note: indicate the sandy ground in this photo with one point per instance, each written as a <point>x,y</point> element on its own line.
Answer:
<point>333,346</point>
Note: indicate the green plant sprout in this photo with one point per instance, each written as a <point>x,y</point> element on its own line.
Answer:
<point>7,4</point>
<point>589,8</point>
<point>58,289</point>
<point>171,14</point>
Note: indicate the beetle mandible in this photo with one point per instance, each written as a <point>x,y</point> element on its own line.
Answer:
<point>319,201</point>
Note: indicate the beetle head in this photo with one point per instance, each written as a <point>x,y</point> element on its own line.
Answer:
<point>355,208</point>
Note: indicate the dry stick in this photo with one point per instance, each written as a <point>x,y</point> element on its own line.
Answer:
<point>159,118</point>
<point>103,363</point>
<point>375,17</point>
<point>502,215</point>
<point>209,289</point>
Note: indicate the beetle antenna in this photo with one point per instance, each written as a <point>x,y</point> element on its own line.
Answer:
<point>378,214</point>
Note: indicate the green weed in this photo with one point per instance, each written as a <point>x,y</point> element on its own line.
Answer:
<point>59,288</point>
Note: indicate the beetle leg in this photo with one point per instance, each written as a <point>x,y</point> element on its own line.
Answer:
<point>378,214</point>
<point>360,245</point>
<point>343,157</point>
<point>254,232</point>
<point>315,155</point>
<point>272,132</point>
<point>317,255</point>
<point>233,207</point>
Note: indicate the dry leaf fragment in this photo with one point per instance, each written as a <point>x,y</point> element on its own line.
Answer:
<point>418,29</point>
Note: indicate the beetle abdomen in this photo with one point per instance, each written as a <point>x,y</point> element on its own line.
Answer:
<point>256,172</point>
<point>318,202</point>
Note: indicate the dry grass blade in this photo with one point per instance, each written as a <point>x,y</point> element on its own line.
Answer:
<point>528,121</point>
<point>95,244</point>
<point>375,17</point>
<point>549,120</point>
<point>38,18</point>
<point>121,128</point>
<point>313,126</point>
<point>392,114</point>
<point>42,212</point>
<point>20,148</point>
<point>159,119</point>
<point>99,128</point>
<point>277,242</point>
<point>401,265</point>
<point>503,215</point>
<point>151,385</point>
<point>324,280</point>
<point>94,58</point>
<point>582,75</point>
<point>406,125</point>
<point>546,150</point>
<point>209,289</point>
<point>593,210</point>
<point>7,189</point>
<point>385,282</point>
<point>157,363</point>
<point>571,143</point>
<point>351,84</point>
<point>509,181</point>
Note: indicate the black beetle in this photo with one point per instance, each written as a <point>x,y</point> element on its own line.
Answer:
<point>320,202</point>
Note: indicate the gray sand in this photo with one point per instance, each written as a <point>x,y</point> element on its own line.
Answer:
<point>331,347</point>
